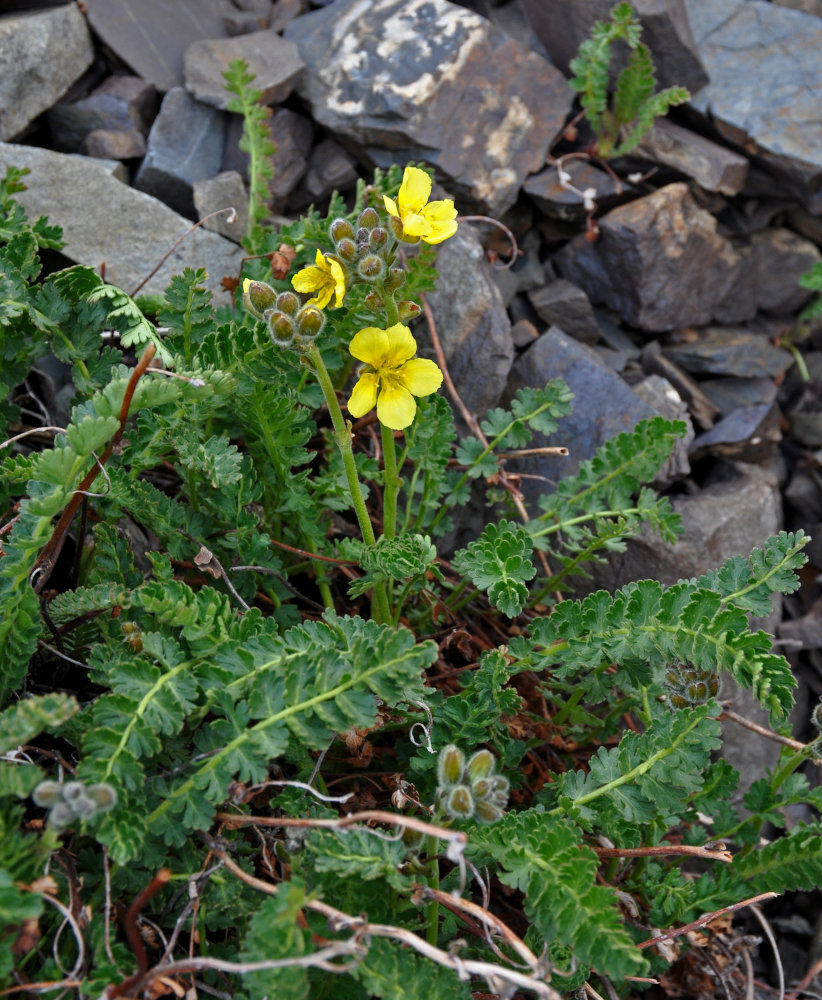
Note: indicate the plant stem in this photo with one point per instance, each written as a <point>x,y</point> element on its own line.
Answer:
<point>342,436</point>
<point>391,482</point>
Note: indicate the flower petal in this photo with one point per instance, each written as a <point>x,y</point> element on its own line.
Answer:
<point>364,395</point>
<point>338,279</point>
<point>416,225</point>
<point>401,346</point>
<point>309,279</point>
<point>323,296</point>
<point>370,345</point>
<point>395,407</point>
<point>440,211</point>
<point>420,376</point>
<point>414,191</point>
<point>390,206</point>
<point>440,231</point>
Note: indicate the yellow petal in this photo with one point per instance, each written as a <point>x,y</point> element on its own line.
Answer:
<point>414,191</point>
<point>320,260</point>
<point>309,279</point>
<point>370,345</point>
<point>420,376</point>
<point>401,346</point>
<point>364,395</point>
<point>440,231</point>
<point>395,407</point>
<point>338,277</point>
<point>323,296</point>
<point>416,225</point>
<point>390,206</point>
<point>246,283</point>
<point>440,211</point>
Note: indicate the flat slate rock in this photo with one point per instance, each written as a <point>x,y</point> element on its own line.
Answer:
<point>727,350</point>
<point>105,221</point>
<point>745,44</point>
<point>151,36</point>
<point>397,80</point>
<point>41,56</point>
<point>274,62</point>
<point>712,166</point>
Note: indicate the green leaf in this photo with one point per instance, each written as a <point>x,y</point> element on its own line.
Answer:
<point>499,562</point>
<point>391,971</point>
<point>21,722</point>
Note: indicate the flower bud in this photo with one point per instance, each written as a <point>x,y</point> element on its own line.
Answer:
<point>347,248</point>
<point>309,323</point>
<point>816,720</point>
<point>395,279</point>
<point>408,310</point>
<point>288,303</point>
<point>257,297</point>
<point>341,229</point>
<point>104,796</point>
<point>47,794</point>
<point>61,815</point>
<point>378,237</point>
<point>487,812</point>
<point>371,268</point>
<point>368,218</point>
<point>412,839</point>
<point>449,766</point>
<point>374,301</point>
<point>363,235</point>
<point>459,803</point>
<point>280,327</point>
<point>480,765</point>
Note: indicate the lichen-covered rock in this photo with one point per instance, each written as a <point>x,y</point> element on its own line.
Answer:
<point>428,80</point>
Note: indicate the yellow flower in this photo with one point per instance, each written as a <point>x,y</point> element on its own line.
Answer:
<point>392,375</point>
<point>326,279</point>
<point>432,222</point>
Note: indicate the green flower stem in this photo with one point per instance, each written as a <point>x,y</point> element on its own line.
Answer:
<point>392,313</point>
<point>391,483</point>
<point>342,435</point>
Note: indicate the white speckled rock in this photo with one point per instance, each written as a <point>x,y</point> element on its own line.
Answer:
<point>429,80</point>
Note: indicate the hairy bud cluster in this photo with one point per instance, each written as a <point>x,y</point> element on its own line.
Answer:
<point>472,789</point>
<point>73,800</point>
<point>690,686</point>
<point>290,324</point>
<point>366,251</point>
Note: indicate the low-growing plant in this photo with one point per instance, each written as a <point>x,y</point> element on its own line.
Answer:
<point>621,116</point>
<point>260,738</point>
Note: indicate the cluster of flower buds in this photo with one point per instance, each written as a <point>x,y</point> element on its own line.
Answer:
<point>73,800</point>
<point>471,790</point>
<point>690,686</point>
<point>289,323</point>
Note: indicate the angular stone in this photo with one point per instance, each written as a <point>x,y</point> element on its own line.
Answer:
<point>111,144</point>
<point>603,405</point>
<point>712,166</point>
<point>428,80</point>
<point>471,320</point>
<point>660,263</point>
<point>726,350</point>
<point>523,333</point>
<point>731,392</point>
<point>782,258</point>
<point>293,135</point>
<point>747,434</point>
<point>151,37</point>
<point>105,221</point>
<point>41,56</point>
<point>807,630</point>
<point>701,408</point>
<point>564,199</point>
<point>213,194</point>
<point>275,63</point>
<point>185,145</point>
<point>745,44</point>
<point>330,168</point>
<point>564,305</point>
<point>562,26</point>
<point>284,12</point>
<point>243,19</point>
<point>120,103</point>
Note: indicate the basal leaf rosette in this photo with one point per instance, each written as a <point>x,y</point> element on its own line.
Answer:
<point>392,376</point>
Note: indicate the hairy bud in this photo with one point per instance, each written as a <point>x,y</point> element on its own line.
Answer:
<point>257,297</point>
<point>371,268</point>
<point>280,327</point>
<point>395,279</point>
<point>341,229</point>
<point>449,766</point>
<point>309,322</point>
<point>378,237</point>
<point>347,248</point>
<point>288,303</point>
<point>408,310</point>
<point>368,218</point>
<point>459,803</point>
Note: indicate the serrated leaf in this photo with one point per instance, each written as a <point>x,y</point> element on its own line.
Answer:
<point>21,722</point>
<point>499,562</point>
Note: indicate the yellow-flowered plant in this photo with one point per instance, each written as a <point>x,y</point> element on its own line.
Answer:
<point>392,376</point>
<point>325,278</point>
<point>414,217</point>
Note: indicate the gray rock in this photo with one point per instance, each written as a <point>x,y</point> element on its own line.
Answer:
<point>562,25</point>
<point>782,258</point>
<point>293,136</point>
<point>662,397</point>
<point>564,198</point>
<point>330,168</point>
<point>185,145</point>
<point>701,408</point>
<point>152,36</point>
<point>727,351</point>
<point>731,392</point>
<point>41,56</point>
<point>745,43</point>
<point>712,166</point>
<point>119,104</point>
<point>243,19</point>
<point>747,434</point>
<point>806,630</point>
<point>226,190</point>
<point>471,320</point>
<point>284,12</point>
<point>275,63</point>
<point>562,304</point>
<point>660,263</point>
<point>603,405</point>
<point>106,222</point>
<point>112,144</point>
<point>429,80</point>
<point>523,333</point>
